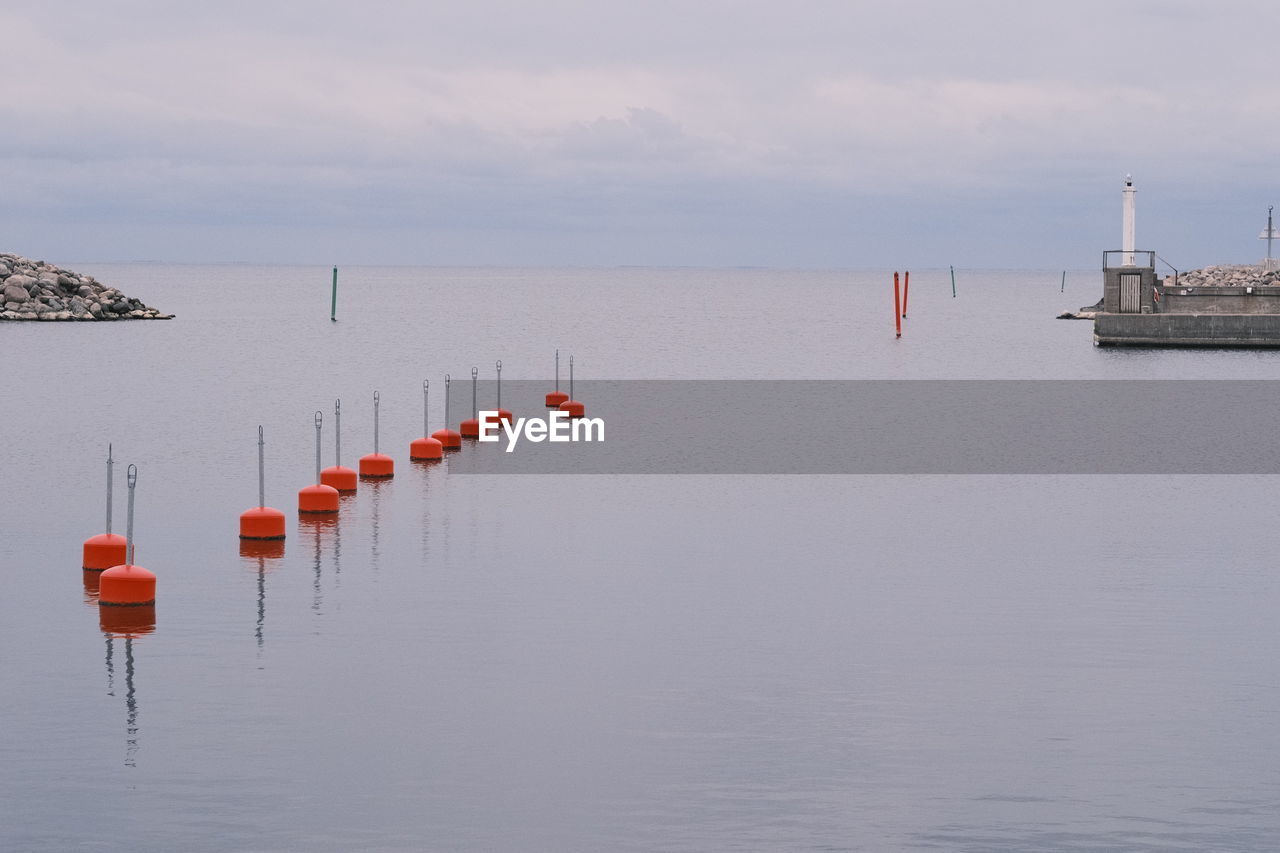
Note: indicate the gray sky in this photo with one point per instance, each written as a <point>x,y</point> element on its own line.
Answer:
<point>855,134</point>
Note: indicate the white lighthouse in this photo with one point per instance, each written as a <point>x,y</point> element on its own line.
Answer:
<point>1127,239</point>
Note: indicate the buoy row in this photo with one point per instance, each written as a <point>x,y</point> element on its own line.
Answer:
<point>322,498</point>
<point>126,591</point>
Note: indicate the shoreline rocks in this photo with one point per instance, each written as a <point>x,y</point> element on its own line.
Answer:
<point>35,290</point>
<point>1228,275</point>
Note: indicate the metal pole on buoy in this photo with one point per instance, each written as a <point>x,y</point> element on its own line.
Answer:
<point>428,448</point>
<point>132,479</point>
<point>556,397</point>
<point>572,406</point>
<point>128,585</point>
<point>470,428</point>
<point>341,478</point>
<point>333,303</point>
<point>897,312</point>
<point>906,289</point>
<point>105,550</point>
<point>110,464</point>
<point>320,498</point>
<point>262,469</point>
<point>449,439</point>
<point>377,465</point>
<point>262,522</point>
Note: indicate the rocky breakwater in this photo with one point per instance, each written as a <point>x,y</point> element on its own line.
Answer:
<point>1228,275</point>
<point>35,290</point>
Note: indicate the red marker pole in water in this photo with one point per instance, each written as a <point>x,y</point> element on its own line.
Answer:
<point>897,310</point>
<point>906,288</point>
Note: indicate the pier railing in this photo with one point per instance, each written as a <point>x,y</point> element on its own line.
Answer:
<point>1107,256</point>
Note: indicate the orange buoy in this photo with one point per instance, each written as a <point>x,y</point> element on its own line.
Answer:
<point>449,439</point>
<point>341,478</point>
<point>470,428</point>
<point>127,585</point>
<point>428,448</point>
<point>556,397</point>
<point>377,465</point>
<point>572,406</point>
<point>105,550</point>
<point>318,498</point>
<point>261,522</point>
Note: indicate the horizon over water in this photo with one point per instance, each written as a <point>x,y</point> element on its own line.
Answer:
<point>618,662</point>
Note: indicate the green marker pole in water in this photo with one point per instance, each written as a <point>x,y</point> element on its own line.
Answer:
<point>953,282</point>
<point>1063,289</point>
<point>333,304</point>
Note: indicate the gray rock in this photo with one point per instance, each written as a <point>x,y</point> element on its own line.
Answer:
<point>19,280</point>
<point>95,310</point>
<point>14,291</point>
<point>120,306</point>
<point>13,306</point>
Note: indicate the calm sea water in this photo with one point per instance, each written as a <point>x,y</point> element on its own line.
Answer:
<point>580,663</point>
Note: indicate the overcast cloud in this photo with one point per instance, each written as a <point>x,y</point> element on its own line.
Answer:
<point>986,133</point>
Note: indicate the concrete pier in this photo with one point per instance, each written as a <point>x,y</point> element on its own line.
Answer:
<point>1140,309</point>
